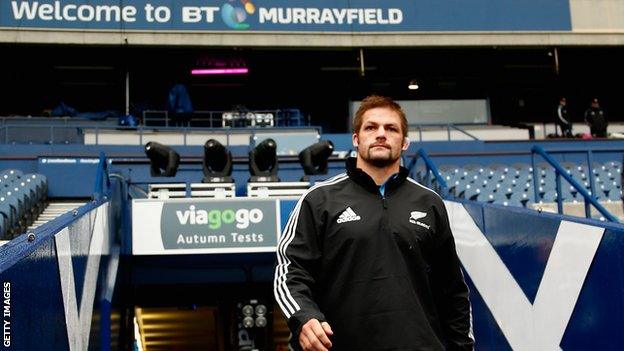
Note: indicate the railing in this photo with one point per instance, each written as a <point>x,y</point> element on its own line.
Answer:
<point>102,181</point>
<point>448,126</point>
<point>559,172</point>
<point>214,119</point>
<point>431,169</point>
<point>52,137</point>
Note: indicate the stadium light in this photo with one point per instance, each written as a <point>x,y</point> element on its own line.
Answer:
<point>217,163</point>
<point>263,162</point>
<point>253,313</point>
<point>314,158</point>
<point>413,85</point>
<point>164,160</point>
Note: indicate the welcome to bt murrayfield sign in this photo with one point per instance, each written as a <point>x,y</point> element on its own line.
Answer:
<point>189,226</point>
<point>288,15</point>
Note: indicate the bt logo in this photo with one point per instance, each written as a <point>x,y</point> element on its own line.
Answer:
<point>234,17</point>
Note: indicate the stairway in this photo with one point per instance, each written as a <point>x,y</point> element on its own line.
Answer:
<point>54,210</point>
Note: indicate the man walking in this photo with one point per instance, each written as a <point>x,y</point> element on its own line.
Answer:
<point>367,259</point>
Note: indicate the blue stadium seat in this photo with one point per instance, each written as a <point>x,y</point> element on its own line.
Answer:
<point>5,218</point>
<point>470,192</point>
<point>522,166</point>
<point>614,195</point>
<point>523,197</point>
<point>9,176</point>
<point>614,165</point>
<point>486,197</point>
<point>549,195</point>
<point>13,210</point>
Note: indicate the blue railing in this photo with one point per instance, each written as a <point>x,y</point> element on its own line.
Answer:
<point>559,172</point>
<point>431,169</point>
<point>102,185</point>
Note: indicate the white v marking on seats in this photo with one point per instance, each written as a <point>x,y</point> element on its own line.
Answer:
<point>526,326</point>
<point>78,322</point>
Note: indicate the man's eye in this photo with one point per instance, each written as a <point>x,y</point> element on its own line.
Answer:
<point>369,128</point>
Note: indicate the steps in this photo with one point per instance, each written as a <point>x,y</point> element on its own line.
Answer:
<point>54,210</point>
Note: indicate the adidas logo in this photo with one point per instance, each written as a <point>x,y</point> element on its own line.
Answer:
<point>348,216</point>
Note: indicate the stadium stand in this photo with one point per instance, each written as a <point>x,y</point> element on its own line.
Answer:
<point>24,203</point>
<point>520,185</point>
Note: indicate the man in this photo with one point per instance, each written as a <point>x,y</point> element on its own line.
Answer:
<point>563,120</point>
<point>596,119</point>
<point>367,260</point>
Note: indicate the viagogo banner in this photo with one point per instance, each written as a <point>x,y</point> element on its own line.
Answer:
<point>179,226</point>
<point>288,15</point>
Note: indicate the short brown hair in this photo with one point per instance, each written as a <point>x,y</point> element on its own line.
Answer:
<point>376,101</point>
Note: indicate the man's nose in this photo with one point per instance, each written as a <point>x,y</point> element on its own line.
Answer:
<point>381,132</point>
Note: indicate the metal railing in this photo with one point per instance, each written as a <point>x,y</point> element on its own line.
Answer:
<point>102,185</point>
<point>215,118</point>
<point>431,169</point>
<point>560,172</point>
<point>448,126</point>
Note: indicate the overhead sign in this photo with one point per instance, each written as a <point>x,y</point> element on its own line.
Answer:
<point>289,15</point>
<point>180,226</point>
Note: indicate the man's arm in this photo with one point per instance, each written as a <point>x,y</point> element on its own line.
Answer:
<point>298,256</point>
<point>450,290</point>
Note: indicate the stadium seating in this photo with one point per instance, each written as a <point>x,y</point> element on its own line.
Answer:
<point>22,199</point>
<point>513,185</point>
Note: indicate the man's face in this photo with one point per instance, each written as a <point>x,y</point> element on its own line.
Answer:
<point>380,139</point>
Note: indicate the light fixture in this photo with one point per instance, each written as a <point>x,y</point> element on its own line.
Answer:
<point>164,160</point>
<point>217,164</point>
<point>263,162</point>
<point>413,85</point>
<point>313,159</point>
<point>253,313</point>
<point>205,71</point>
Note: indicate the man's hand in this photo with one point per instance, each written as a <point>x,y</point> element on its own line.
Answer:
<point>314,336</point>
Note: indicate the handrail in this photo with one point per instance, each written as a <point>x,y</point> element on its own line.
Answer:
<point>448,126</point>
<point>559,171</point>
<point>431,167</point>
<point>276,113</point>
<point>102,180</point>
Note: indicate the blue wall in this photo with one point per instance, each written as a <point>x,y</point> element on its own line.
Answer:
<point>415,15</point>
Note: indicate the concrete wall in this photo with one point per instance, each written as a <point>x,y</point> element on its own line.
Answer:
<point>597,15</point>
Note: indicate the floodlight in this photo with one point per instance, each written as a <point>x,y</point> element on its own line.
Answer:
<point>217,163</point>
<point>164,160</point>
<point>314,158</point>
<point>263,162</point>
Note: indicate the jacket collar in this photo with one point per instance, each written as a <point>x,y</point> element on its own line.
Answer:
<point>363,179</point>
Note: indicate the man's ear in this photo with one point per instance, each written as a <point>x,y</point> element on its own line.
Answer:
<point>354,139</point>
<point>406,142</point>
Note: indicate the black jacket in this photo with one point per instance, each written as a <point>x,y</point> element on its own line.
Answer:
<point>382,271</point>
